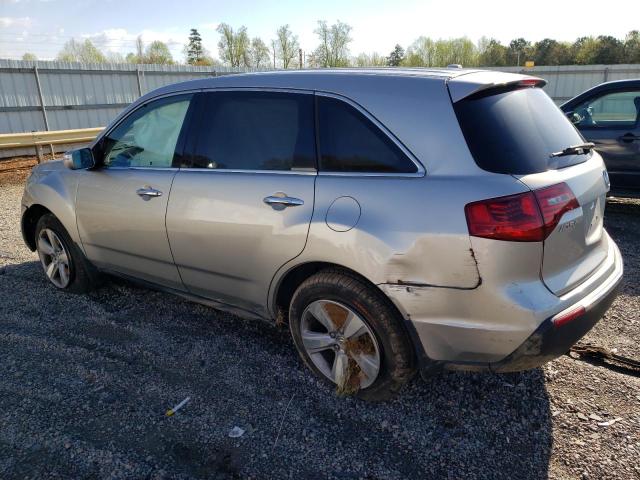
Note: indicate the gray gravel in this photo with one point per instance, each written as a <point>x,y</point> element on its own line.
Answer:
<point>86,380</point>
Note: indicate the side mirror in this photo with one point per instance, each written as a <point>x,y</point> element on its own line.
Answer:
<point>79,159</point>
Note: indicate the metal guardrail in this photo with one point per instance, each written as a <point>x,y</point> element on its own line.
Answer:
<point>57,137</point>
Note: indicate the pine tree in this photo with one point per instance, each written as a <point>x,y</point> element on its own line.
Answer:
<point>396,57</point>
<point>195,52</point>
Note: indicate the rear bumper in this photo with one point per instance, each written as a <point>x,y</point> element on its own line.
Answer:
<point>550,341</point>
<point>515,333</point>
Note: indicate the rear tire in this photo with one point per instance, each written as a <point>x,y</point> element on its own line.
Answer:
<point>65,266</point>
<point>325,345</point>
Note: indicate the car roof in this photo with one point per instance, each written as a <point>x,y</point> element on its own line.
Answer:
<point>318,78</point>
<point>462,81</point>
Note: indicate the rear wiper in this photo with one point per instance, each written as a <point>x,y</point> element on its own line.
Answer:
<point>581,149</point>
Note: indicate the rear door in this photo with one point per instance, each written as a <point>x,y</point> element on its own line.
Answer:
<point>243,207</point>
<point>516,131</point>
<point>611,121</point>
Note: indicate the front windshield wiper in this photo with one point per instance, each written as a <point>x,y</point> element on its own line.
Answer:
<point>581,149</point>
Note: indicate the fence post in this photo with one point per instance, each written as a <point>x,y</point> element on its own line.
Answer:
<point>44,113</point>
<point>606,74</point>
<point>139,81</point>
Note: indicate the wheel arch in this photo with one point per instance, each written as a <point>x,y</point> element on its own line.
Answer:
<point>288,282</point>
<point>29,221</point>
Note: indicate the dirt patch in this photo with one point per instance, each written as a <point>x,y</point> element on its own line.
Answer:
<point>15,170</point>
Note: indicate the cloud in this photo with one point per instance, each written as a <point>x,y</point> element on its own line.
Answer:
<point>120,40</point>
<point>22,22</point>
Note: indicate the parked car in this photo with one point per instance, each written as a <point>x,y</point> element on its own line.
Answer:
<point>399,220</point>
<point>609,116</point>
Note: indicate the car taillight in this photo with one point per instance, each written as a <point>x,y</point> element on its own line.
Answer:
<point>525,217</point>
<point>555,201</point>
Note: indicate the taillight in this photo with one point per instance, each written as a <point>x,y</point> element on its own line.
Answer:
<point>525,217</point>
<point>555,201</point>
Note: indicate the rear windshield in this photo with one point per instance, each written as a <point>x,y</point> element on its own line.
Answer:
<point>516,131</point>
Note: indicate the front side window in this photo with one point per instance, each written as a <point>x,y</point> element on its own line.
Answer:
<point>618,109</point>
<point>147,137</point>
<point>248,130</point>
<point>350,142</point>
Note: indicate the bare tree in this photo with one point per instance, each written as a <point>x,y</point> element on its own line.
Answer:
<point>233,46</point>
<point>158,53</point>
<point>85,52</point>
<point>286,46</point>
<point>370,60</point>
<point>139,49</point>
<point>259,53</point>
<point>333,50</point>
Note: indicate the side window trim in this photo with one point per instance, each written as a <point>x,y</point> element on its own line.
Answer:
<point>420,172</point>
<point>191,141</point>
<point>142,105</point>
<point>595,97</point>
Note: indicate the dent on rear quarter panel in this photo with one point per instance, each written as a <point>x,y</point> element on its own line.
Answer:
<point>416,267</point>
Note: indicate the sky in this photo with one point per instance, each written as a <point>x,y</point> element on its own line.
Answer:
<point>43,26</point>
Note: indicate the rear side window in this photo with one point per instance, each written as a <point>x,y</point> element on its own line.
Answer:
<point>516,131</point>
<point>256,131</point>
<point>350,142</point>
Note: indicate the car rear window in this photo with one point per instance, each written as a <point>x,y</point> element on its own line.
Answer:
<point>516,131</point>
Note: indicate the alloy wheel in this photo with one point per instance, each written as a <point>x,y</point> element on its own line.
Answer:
<point>340,343</point>
<point>54,258</point>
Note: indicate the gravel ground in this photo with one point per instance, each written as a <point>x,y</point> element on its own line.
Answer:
<point>86,380</point>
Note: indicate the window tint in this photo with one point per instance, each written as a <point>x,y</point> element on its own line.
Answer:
<point>349,142</point>
<point>256,131</point>
<point>516,131</point>
<point>619,109</point>
<point>147,137</point>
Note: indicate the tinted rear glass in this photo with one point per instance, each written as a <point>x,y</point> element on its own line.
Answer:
<point>516,131</point>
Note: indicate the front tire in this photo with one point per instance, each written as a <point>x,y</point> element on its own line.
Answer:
<point>62,261</point>
<point>350,335</point>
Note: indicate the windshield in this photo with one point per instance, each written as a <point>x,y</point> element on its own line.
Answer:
<point>516,132</point>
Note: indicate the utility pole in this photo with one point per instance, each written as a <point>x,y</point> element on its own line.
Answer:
<point>300,56</point>
<point>273,47</point>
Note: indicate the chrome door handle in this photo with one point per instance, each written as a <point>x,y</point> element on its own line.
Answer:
<point>282,200</point>
<point>148,192</point>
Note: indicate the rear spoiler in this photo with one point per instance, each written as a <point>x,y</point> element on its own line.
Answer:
<point>465,85</point>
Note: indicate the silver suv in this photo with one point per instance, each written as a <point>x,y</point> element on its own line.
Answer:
<point>399,220</point>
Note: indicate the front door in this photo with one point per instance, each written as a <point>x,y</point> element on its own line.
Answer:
<point>611,122</point>
<point>243,208</point>
<point>121,205</point>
